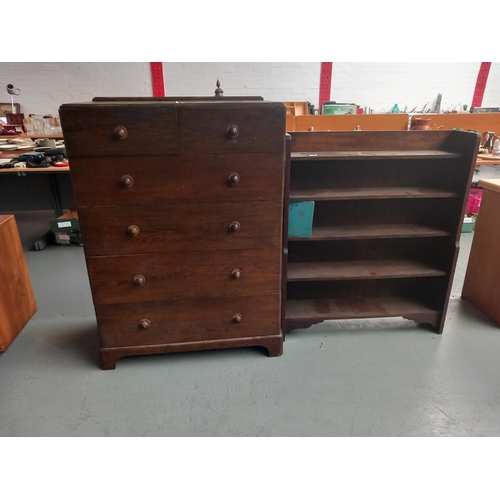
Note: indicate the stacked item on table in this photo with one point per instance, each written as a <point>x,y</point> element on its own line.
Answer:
<point>16,144</point>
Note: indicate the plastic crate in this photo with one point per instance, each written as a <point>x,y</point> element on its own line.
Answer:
<point>474,201</point>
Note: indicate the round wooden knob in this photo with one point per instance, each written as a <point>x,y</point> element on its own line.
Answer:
<point>234,227</point>
<point>120,132</point>
<point>145,323</point>
<point>237,318</point>
<point>232,131</point>
<point>127,181</point>
<point>133,230</point>
<point>233,179</point>
<point>139,280</point>
<point>236,273</point>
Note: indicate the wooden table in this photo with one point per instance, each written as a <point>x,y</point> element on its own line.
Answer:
<point>482,279</point>
<point>485,161</point>
<point>35,189</point>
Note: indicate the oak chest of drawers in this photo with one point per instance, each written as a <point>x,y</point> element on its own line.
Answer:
<point>180,207</point>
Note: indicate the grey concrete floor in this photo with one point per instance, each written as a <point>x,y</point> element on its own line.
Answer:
<point>356,378</point>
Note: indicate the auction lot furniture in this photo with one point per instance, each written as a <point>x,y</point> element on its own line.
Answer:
<point>387,220</point>
<point>180,207</point>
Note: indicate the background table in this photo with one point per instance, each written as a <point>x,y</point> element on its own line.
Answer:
<point>47,188</point>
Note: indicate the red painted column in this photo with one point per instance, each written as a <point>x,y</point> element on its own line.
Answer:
<point>482,78</point>
<point>157,79</point>
<point>325,83</point>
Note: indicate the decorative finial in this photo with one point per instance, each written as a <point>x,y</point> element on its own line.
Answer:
<point>218,91</point>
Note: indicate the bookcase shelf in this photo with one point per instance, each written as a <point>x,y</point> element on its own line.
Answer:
<point>387,222</point>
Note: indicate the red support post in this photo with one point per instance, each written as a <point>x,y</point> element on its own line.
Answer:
<point>325,83</point>
<point>157,79</point>
<point>482,78</point>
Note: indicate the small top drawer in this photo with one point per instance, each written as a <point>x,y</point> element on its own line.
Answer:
<point>119,130</point>
<point>255,127</point>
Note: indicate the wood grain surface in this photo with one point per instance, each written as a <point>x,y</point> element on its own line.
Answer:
<point>175,178</point>
<point>17,301</point>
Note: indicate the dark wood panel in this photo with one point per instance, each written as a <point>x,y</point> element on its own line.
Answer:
<point>373,155</point>
<point>368,193</point>
<point>389,140</point>
<point>188,320</point>
<point>220,100</point>
<point>143,278</point>
<point>426,290</point>
<point>438,213</point>
<point>205,129</point>
<point>373,231</point>
<point>435,252</point>
<point>361,307</point>
<point>109,356</point>
<point>174,178</point>
<point>96,131</point>
<point>439,174</point>
<point>376,269</point>
<point>180,227</point>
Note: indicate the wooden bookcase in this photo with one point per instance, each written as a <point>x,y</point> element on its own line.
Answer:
<point>387,221</point>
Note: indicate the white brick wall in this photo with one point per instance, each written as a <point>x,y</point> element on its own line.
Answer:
<point>381,85</point>
<point>280,81</point>
<point>45,86</point>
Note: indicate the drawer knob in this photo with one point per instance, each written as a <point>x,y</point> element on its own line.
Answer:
<point>234,227</point>
<point>127,181</point>
<point>232,131</point>
<point>133,231</point>
<point>237,318</point>
<point>139,280</point>
<point>236,273</point>
<point>233,179</point>
<point>120,132</point>
<point>145,323</point>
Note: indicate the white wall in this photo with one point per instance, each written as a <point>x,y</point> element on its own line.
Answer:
<point>381,85</point>
<point>45,86</point>
<point>492,93</point>
<point>375,85</point>
<point>280,81</point>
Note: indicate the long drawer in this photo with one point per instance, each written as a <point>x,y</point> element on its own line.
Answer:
<point>140,229</point>
<point>177,178</point>
<point>144,278</point>
<point>188,320</point>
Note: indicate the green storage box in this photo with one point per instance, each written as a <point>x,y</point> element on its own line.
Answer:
<point>66,229</point>
<point>66,223</point>
<point>300,219</point>
<point>468,224</point>
<point>333,108</point>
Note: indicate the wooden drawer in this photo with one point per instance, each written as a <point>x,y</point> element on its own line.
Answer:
<point>179,227</point>
<point>232,128</point>
<point>188,320</point>
<point>173,178</point>
<point>119,130</point>
<point>168,276</point>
